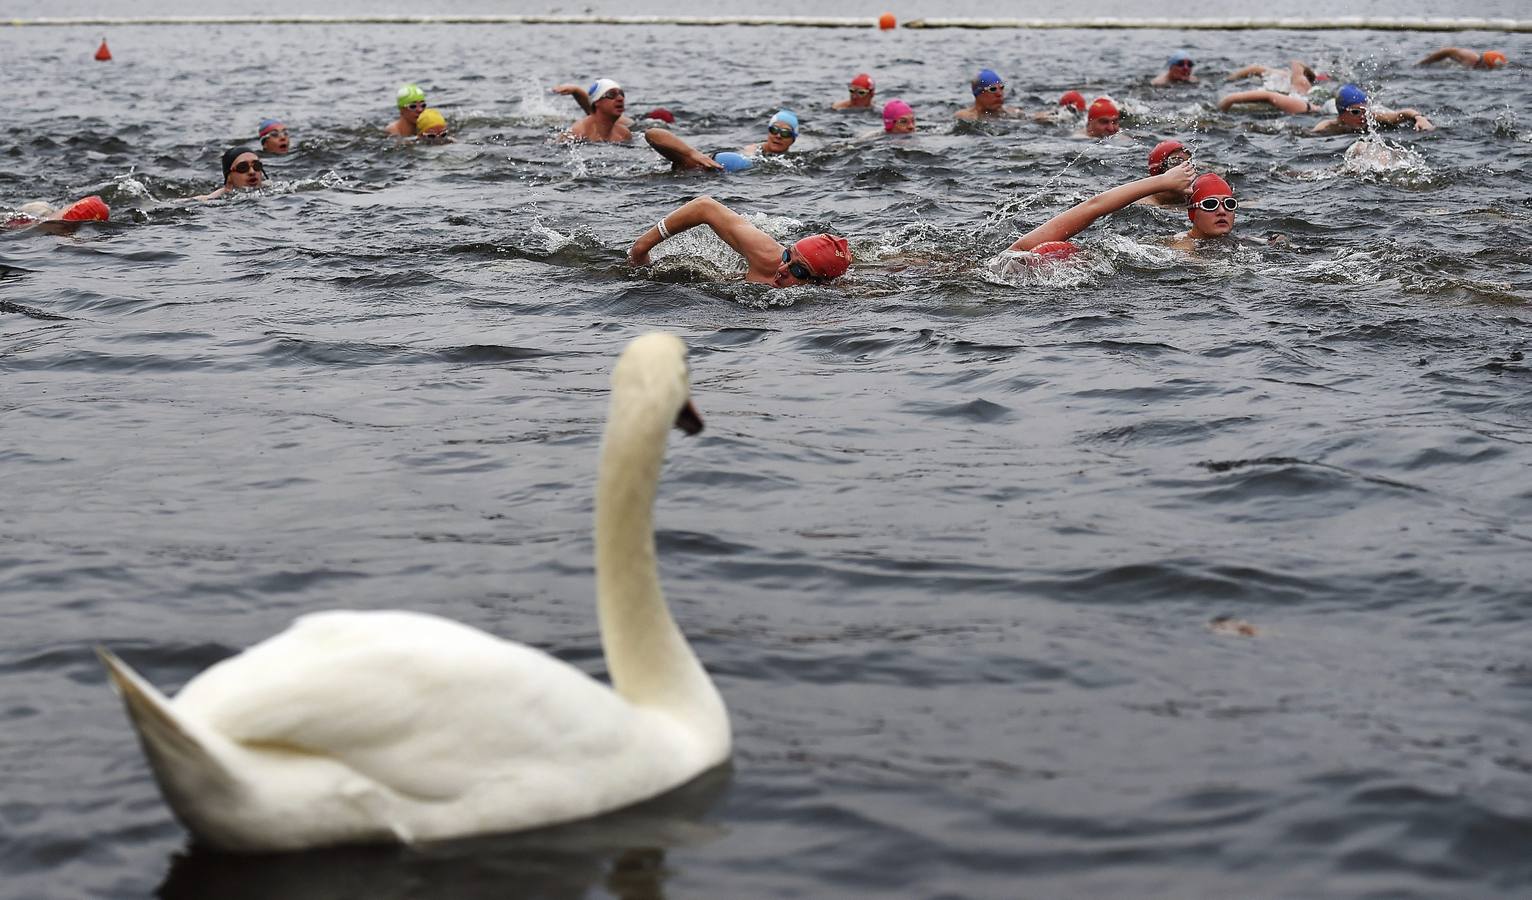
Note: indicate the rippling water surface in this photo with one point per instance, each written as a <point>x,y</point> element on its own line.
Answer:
<point>954,542</point>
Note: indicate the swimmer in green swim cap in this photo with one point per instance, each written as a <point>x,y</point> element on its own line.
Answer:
<point>411,101</point>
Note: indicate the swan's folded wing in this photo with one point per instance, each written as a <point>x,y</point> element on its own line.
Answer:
<point>423,705</point>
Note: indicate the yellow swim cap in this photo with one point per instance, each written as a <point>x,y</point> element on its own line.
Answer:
<point>429,120</point>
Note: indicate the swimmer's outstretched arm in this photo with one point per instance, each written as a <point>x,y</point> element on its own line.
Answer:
<point>1246,72</point>
<point>1400,116</point>
<point>1079,217</point>
<point>1457,54</point>
<point>577,92</point>
<point>681,154</point>
<point>756,246</point>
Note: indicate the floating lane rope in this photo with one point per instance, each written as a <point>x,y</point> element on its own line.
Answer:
<point>1354,23</point>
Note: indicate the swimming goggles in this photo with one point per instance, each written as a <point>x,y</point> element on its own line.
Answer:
<point>798,270</point>
<point>279,133</point>
<point>1208,204</point>
<point>995,88</point>
<point>1359,109</point>
<point>417,106</point>
<point>861,91</point>
<point>612,94</point>
<point>1183,64</point>
<point>781,131</point>
<point>244,168</point>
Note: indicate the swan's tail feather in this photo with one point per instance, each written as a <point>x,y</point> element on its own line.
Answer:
<point>185,766</point>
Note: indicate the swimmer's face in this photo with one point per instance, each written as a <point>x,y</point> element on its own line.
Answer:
<point>905,124</point>
<point>613,102</point>
<point>247,171</point>
<point>794,270</point>
<point>412,112</point>
<point>860,96</point>
<point>1104,126</point>
<point>437,135</point>
<point>779,138</point>
<point>276,142</point>
<point>1181,70</point>
<point>1353,117</point>
<point>1216,221</point>
<point>990,96</point>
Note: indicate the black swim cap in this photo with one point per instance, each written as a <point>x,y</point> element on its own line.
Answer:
<point>229,156</point>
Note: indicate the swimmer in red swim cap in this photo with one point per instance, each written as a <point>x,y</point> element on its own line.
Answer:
<point>813,260</point>
<point>87,209</point>
<point>1052,237</point>
<point>1165,156</point>
<point>1211,211</point>
<point>1102,120</point>
<point>1473,59</point>
<point>861,90</point>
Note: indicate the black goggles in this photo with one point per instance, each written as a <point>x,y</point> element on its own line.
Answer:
<point>798,270</point>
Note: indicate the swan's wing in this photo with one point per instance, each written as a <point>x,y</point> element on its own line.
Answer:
<point>424,705</point>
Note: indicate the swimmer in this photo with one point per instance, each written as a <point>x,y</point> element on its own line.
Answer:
<point>988,99</point>
<point>1102,121</point>
<point>605,122</point>
<point>1050,239</point>
<point>781,131</point>
<point>1071,105</point>
<point>431,128</point>
<point>812,260</point>
<point>1298,78</point>
<point>898,117</point>
<point>1178,70</point>
<point>1211,211</point>
<point>1473,59</point>
<point>87,209</point>
<point>273,135</point>
<point>411,101</point>
<point>242,171</point>
<point>1351,115</point>
<point>1165,156</point>
<point>861,94</point>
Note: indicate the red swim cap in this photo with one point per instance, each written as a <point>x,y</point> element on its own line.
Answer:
<point>862,80</point>
<point>661,113</point>
<point>1073,99</point>
<point>1055,251</point>
<point>90,209</point>
<point>1208,185</point>
<point>826,254</point>
<point>1101,108</point>
<point>1160,151</point>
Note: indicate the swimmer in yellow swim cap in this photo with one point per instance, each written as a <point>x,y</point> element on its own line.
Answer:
<point>431,128</point>
<point>411,101</point>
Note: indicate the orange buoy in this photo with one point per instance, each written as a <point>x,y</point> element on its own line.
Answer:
<point>887,21</point>
<point>102,53</point>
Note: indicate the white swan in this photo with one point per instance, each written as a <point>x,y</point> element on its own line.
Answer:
<point>376,726</point>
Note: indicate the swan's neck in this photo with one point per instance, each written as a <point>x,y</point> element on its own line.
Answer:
<point>649,660</point>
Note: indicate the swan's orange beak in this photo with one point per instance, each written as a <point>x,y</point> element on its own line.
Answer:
<point>688,419</point>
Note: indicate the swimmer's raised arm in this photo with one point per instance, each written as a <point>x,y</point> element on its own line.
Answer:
<point>1457,54</point>
<point>577,92</point>
<point>759,249</point>
<point>1079,217</point>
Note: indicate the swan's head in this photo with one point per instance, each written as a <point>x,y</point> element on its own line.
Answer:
<point>652,373</point>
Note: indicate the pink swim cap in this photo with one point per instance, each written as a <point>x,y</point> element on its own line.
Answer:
<point>90,209</point>
<point>1055,251</point>
<point>892,110</point>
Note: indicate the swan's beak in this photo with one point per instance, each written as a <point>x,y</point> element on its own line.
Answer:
<point>688,420</point>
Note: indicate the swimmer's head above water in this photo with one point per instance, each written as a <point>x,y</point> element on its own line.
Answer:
<point>814,260</point>
<point>1179,66</point>
<point>898,117</point>
<point>1104,118</point>
<point>242,168</point>
<point>1073,99</point>
<point>781,131</point>
<point>273,136</point>
<point>607,97</point>
<point>1492,59</point>
<point>988,90</point>
<point>861,89</point>
<point>1351,107</point>
<point>1212,207</point>
<point>431,127</point>
<point>411,101</point>
<point>1167,155</point>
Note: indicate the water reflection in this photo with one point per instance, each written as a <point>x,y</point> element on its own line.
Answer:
<point>620,855</point>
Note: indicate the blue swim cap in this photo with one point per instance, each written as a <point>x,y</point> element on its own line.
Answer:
<point>1350,95</point>
<point>985,78</point>
<point>1178,56</point>
<point>732,162</point>
<point>786,117</point>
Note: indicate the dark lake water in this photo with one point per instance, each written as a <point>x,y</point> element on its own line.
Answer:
<point>953,540</point>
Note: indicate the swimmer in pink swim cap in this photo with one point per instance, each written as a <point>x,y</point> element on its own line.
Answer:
<point>815,259</point>
<point>898,117</point>
<point>1052,237</point>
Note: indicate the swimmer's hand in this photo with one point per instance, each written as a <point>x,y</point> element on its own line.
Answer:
<point>1424,124</point>
<point>1177,179</point>
<point>575,91</point>
<point>638,254</point>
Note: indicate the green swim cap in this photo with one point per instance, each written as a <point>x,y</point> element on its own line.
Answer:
<point>410,93</point>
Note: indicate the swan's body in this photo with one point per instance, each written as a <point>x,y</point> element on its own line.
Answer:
<point>370,726</point>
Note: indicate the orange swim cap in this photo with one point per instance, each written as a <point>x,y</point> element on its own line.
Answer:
<point>1073,99</point>
<point>1492,58</point>
<point>826,254</point>
<point>90,209</point>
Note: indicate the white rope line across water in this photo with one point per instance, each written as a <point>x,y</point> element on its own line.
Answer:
<point>1341,23</point>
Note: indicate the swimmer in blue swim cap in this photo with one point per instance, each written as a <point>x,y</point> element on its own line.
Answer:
<point>988,99</point>
<point>1178,70</point>
<point>781,132</point>
<point>1353,109</point>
